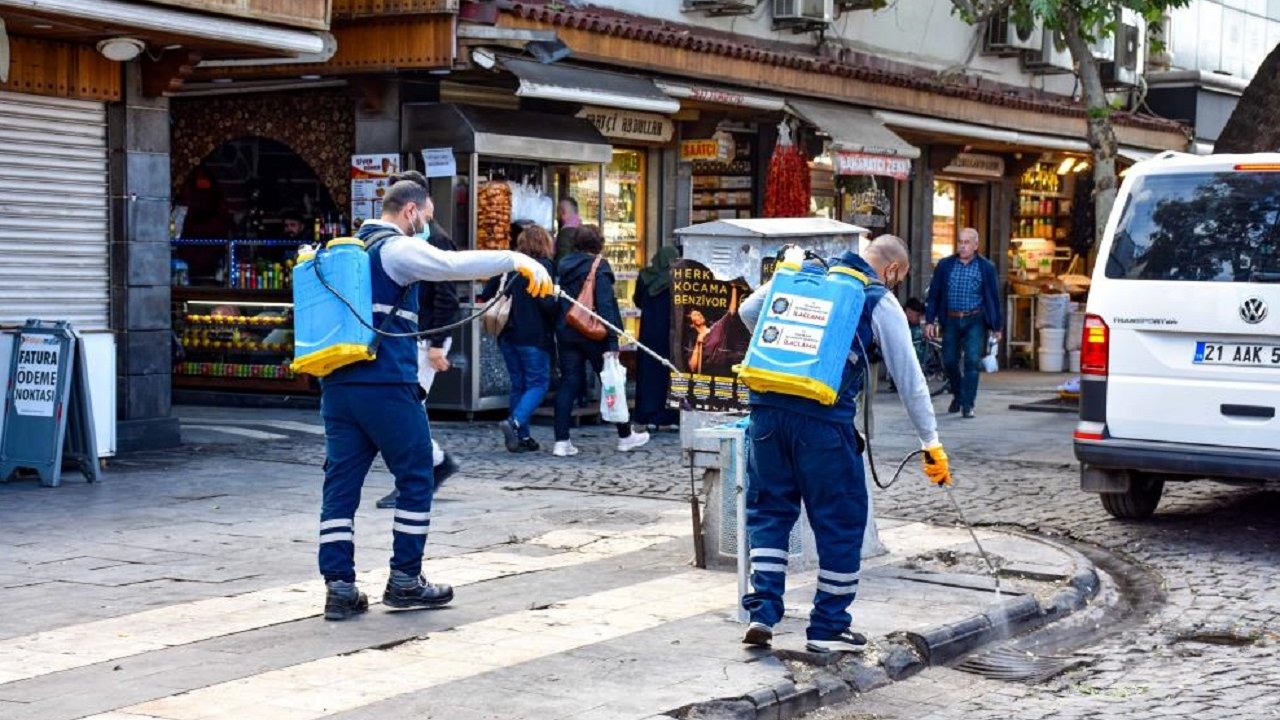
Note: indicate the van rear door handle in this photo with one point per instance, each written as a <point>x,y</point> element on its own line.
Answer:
<point>1249,411</point>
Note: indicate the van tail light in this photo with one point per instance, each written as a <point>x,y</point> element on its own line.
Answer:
<point>1094,346</point>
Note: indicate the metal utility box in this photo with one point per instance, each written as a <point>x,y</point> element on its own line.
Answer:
<point>746,248</point>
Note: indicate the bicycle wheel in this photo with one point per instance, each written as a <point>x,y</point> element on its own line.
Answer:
<point>935,373</point>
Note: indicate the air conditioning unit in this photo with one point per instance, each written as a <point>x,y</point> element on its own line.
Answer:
<point>720,7</point>
<point>803,14</point>
<point>1054,57</point>
<point>1004,37</point>
<point>1128,60</point>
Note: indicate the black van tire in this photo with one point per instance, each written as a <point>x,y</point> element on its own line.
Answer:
<point>1139,501</point>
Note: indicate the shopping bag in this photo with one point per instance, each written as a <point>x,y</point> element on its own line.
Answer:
<point>613,391</point>
<point>989,362</point>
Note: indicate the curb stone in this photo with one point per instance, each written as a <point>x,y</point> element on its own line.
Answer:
<point>837,678</point>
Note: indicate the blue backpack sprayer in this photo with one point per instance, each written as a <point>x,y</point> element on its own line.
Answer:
<point>799,347</point>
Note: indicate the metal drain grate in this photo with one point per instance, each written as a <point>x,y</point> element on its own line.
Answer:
<point>1010,664</point>
<point>596,516</point>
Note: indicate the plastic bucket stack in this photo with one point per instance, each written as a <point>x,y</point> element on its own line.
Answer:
<point>1052,313</point>
<point>1075,332</point>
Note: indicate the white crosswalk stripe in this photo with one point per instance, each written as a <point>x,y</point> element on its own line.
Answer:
<point>31,656</point>
<point>234,430</point>
<point>337,684</point>
<point>294,425</point>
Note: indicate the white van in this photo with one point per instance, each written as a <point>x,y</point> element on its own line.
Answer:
<point>1180,361</point>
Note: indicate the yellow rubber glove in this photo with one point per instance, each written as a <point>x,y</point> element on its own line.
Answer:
<point>540,284</point>
<point>936,465</point>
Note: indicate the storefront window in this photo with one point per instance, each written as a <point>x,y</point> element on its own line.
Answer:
<point>944,219</point>
<point>624,231</point>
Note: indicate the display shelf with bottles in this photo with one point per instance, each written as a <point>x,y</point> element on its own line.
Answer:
<point>724,190</point>
<point>624,227</point>
<point>1043,205</point>
<point>234,340</point>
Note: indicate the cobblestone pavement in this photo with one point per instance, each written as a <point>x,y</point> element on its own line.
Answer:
<point>1208,652</point>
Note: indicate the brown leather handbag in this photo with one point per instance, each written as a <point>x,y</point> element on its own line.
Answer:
<point>587,324</point>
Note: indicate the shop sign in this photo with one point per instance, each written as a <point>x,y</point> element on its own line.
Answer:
<point>708,339</point>
<point>440,162</point>
<point>691,150</point>
<point>369,175</point>
<point>627,125</point>
<point>721,148</point>
<point>976,164</point>
<point>871,208</point>
<point>853,163</point>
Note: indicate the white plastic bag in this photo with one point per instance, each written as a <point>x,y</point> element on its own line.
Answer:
<point>989,361</point>
<point>613,391</point>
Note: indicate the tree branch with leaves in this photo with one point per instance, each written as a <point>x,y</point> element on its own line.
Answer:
<point>1081,24</point>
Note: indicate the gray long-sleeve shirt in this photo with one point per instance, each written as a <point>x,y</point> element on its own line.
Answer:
<point>408,260</point>
<point>892,333</point>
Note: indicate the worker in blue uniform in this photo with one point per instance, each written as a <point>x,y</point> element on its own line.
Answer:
<point>800,449</point>
<point>376,406</point>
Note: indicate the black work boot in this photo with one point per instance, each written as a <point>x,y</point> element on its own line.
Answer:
<point>405,591</point>
<point>342,600</point>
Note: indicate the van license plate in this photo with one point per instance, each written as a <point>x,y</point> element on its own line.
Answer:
<point>1208,353</point>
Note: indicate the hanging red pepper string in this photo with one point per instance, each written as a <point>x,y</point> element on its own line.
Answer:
<point>787,189</point>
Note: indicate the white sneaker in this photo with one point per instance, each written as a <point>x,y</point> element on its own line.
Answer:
<point>632,441</point>
<point>564,448</point>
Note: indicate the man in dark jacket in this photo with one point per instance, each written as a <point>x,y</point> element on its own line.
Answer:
<point>439,304</point>
<point>964,301</point>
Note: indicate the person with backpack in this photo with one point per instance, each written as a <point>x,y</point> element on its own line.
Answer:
<point>375,406</point>
<point>586,268</point>
<point>803,450</point>
<point>526,340</point>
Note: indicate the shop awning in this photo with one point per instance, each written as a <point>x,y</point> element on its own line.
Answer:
<point>722,96</point>
<point>853,130</point>
<point>503,133</point>
<point>566,83</point>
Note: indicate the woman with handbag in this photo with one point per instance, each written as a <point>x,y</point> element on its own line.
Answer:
<point>524,326</point>
<point>583,340</point>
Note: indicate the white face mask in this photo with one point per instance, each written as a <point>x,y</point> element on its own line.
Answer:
<point>416,225</point>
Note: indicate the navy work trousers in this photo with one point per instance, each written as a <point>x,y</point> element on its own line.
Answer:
<point>794,457</point>
<point>359,422</point>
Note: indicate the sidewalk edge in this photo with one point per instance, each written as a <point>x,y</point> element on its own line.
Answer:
<point>903,654</point>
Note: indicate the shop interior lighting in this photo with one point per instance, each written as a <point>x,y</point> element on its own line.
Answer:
<point>1081,166</point>
<point>1066,166</point>
<point>121,49</point>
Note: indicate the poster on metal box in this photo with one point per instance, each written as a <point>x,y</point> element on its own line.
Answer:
<point>708,338</point>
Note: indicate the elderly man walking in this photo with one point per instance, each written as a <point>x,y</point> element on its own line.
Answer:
<point>964,302</point>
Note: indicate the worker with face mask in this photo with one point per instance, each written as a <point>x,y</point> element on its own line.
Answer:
<point>375,406</point>
<point>800,449</point>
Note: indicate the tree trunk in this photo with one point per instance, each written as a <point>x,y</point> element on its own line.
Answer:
<point>1101,134</point>
<point>1253,126</point>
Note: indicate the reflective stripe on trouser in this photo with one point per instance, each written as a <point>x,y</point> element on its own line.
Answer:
<point>793,457</point>
<point>360,421</point>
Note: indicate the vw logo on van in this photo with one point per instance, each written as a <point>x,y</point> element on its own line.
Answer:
<point>1253,311</point>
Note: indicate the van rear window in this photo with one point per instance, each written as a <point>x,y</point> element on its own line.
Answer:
<point>1210,227</point>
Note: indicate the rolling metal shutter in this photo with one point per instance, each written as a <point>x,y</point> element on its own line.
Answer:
<point>54,249</point>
